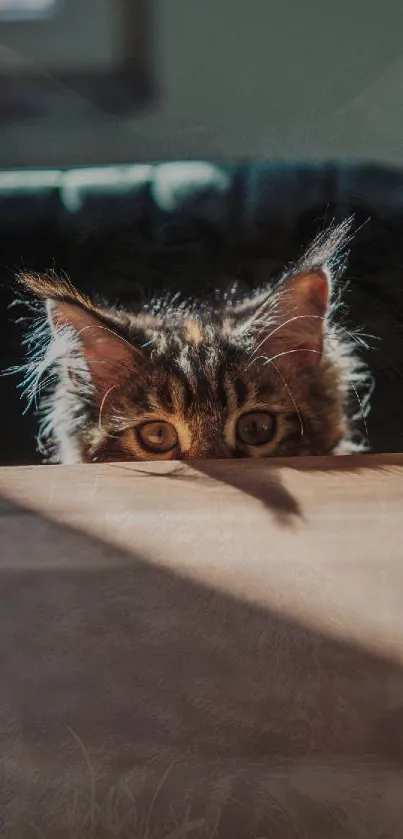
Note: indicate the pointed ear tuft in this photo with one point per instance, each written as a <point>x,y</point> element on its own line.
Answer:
<point>50,286</point>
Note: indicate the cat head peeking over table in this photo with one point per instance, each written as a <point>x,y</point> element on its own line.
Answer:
<point>271,375</point>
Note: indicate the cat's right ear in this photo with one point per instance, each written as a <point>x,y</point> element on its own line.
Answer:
<point>289,323</point>
<point>87,337</point>
<point>108,356</point>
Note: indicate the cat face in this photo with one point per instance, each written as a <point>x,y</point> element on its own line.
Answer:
<point>196,390</point>
<point>262,377</point>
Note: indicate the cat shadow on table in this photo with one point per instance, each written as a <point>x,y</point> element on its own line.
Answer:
<point>265,485</point>
<point>263,481</point>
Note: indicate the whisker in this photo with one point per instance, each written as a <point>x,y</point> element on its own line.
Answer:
<point>357,338</point>
<point>362,412</point>
<point>285,323</point>
<point>317,352</point>
<point>287,387</point>
<point>111,331</point>
<point>102,405</point>
<point>281,354</point>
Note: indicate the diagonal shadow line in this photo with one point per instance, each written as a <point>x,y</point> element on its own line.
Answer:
<point>263,480</point>
<point>151,670</point>
<point>264,484</point>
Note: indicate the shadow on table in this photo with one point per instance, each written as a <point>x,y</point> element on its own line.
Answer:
<point>263,480</point>
<point>131,697</point>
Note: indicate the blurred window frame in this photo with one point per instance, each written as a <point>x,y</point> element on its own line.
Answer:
<point>123,87</point>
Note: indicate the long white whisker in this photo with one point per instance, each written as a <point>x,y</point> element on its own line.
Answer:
<point>364,421</point>
<point>102,405</point>
<point>289,352</point>
<point>281,354</point>
<point>105,329</point>
<point>285,323</point>
<point>357,339</point>
<point>287,387</point>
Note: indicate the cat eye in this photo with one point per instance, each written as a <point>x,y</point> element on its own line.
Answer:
<point>256,429</point>
<point>157,437</point>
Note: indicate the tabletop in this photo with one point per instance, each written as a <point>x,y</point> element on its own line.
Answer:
<point>199,638</point>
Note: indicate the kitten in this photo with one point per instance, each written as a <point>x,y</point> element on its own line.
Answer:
<point>272,375</point>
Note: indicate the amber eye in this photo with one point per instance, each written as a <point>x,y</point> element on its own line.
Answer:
<point>255,429</point>
<point>157,436</point>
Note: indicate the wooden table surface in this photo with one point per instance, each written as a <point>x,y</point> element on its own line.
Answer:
<point>220,643</point>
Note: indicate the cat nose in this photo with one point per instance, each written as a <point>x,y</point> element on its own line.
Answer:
<point>217,451</point>
<point>207,449</point>
<point>214,451</point>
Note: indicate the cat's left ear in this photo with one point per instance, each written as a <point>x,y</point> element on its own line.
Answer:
<point>296,318</point>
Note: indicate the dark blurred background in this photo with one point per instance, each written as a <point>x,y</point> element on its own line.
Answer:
<point>181,143</point>
<point>284,79</point>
